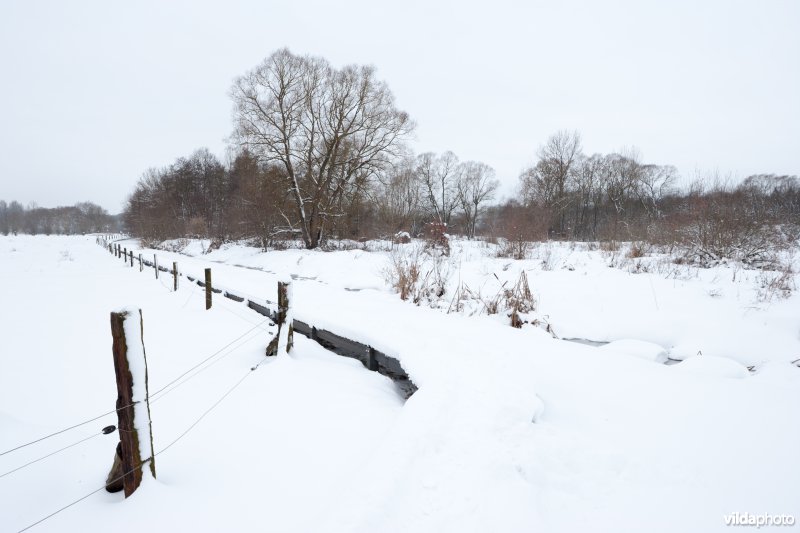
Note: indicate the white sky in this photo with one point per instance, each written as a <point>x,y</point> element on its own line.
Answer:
<point>93,93</point>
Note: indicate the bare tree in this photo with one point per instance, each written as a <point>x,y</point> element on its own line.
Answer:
<point>624,170</point>
<point>439,177</point>
<point>476,186</point>
<point>4,224</point>
<point>400,198</point>
<point>325,127</point>
<point>588,190</point>
<point>653,183</point>
<point>548,181</point>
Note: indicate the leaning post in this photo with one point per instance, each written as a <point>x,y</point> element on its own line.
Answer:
<point>134,456</point>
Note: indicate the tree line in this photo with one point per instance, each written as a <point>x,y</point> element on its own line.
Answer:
<point>321,153</point>
<point>81,218</point>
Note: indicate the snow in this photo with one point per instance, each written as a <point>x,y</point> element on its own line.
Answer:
<point>510,430</point>
<point>631,347</point>
<point>684,309</point>
<point>710,365</point>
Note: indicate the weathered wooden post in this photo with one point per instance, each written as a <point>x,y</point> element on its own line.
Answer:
<point>135,446</point>
<point>124,255</point>
<point>284,340</point>
<point>155,264</point>
<point>141,265</point>
<point>208,289</point>
<point>174,276</point>
<point>131,258</point>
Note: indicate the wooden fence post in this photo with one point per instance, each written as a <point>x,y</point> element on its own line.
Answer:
<point>155,264</point>
<point>131,258</point>
<point>135,446</point>
<point>141,265</point>
<point>124,255</point>
<point>208,289</point>
<point>284,340</point>
<point>175,276</point>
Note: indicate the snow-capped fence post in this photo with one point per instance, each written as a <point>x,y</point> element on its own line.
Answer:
<point>155,264</point>
<point>174,276</point>
<point>135,448</point>
<point>284,340</point>
<point>208,289</point>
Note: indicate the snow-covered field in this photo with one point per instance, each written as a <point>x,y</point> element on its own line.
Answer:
<point>510,430</point>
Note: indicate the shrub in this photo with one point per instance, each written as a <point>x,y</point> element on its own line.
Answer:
<point>403,273</point>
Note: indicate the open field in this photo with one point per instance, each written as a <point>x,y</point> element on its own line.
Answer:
<point>510,430</point>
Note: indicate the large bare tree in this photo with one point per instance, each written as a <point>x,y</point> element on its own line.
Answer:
<point>327,128</point>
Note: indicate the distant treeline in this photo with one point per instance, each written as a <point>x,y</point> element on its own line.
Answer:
<point>604,198</point>
<point>320,153</point>
<point>81,218</point>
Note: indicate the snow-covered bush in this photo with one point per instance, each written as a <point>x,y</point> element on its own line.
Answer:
<point>776,284</point>
<point>722,225</point>
<point>419,274</point>
<point>513,248</point>
<point>403,272</point>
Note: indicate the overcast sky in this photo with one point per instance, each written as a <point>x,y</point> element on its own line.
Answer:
<point>94,93</point>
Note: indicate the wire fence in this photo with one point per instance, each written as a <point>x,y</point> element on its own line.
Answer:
<point>371,358</point>
<point>156,454</point>
<point>152,396</point>
<point>184,377</point>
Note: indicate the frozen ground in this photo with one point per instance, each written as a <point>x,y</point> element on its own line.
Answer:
<point>511,430</point>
